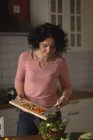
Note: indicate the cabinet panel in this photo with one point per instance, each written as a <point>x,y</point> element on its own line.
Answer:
<point>80,114</point>
<point>10,120</point>
<point>11,131</point>
<point>6,113</point>
<point>10,123</point>
<point>80,123</point>
<point>19,9</point>
<point>76,21</point>
<point>78,104</point>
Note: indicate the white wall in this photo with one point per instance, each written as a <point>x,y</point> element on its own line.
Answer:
<point>39,10</point>
<point>11,45</point>
<point>87,24</point>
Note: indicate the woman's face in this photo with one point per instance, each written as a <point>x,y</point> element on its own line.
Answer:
<point>47,47</point>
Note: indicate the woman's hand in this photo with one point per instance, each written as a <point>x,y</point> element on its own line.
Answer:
<point>63,100</point>
<point>20,96</point>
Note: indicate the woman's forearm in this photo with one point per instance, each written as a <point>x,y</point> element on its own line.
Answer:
<point>19,86</point>
<point>67,92</point>
<point>63,100</point>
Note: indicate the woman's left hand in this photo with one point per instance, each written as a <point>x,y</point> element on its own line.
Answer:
<point>63,100</point>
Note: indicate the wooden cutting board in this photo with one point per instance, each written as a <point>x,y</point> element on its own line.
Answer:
<point>32,108</point>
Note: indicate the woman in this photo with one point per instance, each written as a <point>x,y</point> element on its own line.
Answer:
<point>38,71</point>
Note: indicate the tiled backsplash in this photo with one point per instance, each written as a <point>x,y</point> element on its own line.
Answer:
<point>11,45</point>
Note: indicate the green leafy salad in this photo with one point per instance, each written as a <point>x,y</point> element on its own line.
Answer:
<point>51,128</point>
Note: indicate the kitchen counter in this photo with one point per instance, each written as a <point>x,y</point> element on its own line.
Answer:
<point>77,94</point>
<point>5,106</point>
<point>38,137</point>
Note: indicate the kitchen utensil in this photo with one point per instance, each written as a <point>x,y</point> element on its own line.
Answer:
<point>51,112</point>
<point>53,109</point>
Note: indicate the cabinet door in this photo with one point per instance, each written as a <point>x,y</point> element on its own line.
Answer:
<point>78,104</point>
<point>80,120</point>
<point>10,120</point>
<point>19,9</point>
<point>80,113</point>
<point>75,20</point>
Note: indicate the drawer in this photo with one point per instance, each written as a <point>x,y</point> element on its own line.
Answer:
<point>80,121</point>
<point>77,125</point>
<point>78,104</point>
<point>71,112</point>
<point>9,114</point>
<point>78,112</point>
<point>11,123</point>
<point>77,128</point>
<point>10,120</point>
<point>10,131</point>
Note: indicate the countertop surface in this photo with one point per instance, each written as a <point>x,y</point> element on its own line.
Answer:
<point>77,94</point>
<point>38,137</point>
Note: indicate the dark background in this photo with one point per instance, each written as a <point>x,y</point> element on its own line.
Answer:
<point>14,22</point>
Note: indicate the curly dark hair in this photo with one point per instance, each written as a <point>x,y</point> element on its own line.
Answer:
<point>41,32</point>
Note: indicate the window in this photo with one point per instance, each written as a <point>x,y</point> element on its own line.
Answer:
<point>67,13</point>
<point>75,23</point>
<point>56,12</point>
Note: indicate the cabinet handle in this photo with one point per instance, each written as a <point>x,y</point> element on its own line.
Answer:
<point>72,113</point>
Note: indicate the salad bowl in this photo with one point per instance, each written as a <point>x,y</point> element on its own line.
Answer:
<point>52,128</point>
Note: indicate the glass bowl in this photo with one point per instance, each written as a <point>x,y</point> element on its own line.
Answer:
<point>52,128</point>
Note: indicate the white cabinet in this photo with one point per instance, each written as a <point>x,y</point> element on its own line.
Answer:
<point>80,113</point>
<point>10,120</point>
<point>75,16</point>
<point>39,11</point>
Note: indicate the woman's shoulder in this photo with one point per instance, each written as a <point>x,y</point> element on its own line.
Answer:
<point>62,63</point>
<point>25,54</point>
<point>61,59</point>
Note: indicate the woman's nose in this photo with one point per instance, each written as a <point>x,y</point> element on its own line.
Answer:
<point>49,49</point>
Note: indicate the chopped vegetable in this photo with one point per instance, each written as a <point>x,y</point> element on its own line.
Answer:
<point>34,108</point>
<point>37,109</point>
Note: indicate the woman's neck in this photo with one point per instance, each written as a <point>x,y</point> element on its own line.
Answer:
<point>37,55</point>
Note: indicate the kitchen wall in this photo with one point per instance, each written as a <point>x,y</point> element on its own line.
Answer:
<point>11,45</point>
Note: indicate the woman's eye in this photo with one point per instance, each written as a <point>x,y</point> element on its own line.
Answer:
<point>45,46</point>
<point>51,47</point>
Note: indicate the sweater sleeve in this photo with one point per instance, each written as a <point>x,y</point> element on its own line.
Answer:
<point>64,77</point>
<point>20,74</point>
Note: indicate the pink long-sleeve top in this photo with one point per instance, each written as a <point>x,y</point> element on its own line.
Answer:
<point>40,84</point>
